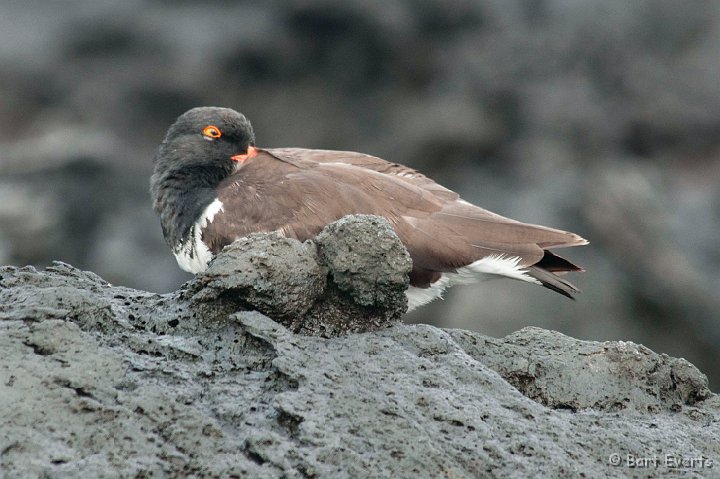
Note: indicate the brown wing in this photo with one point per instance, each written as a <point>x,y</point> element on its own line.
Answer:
<point>301,197</point>
<point>305,158</point>
<point>300,191</point>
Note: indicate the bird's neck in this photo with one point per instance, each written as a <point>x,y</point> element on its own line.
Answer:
<point>182,198</point>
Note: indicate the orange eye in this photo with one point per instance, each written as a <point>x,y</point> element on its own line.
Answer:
<point>212,132</point>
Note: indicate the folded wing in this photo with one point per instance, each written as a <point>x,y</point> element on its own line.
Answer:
<point>298,192</point>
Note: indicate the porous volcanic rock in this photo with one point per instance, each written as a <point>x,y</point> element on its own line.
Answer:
<point>98,380</point>
<point>351,279</point>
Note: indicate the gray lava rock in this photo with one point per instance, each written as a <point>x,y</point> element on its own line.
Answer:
<point>562,372</point>
<point>608,128</point>
<point>366,258</point>
<point>277,276</point>
<point>353,280</point>
<point>104,381</point>
<point>368,270</point>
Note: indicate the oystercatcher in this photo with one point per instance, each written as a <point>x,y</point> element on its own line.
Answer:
<point>212,185</point>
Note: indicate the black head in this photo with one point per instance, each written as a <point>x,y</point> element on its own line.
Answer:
<point>206,137</point>
<point>195,156</point>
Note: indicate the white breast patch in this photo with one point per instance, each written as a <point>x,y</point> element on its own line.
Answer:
<point>191,253</point>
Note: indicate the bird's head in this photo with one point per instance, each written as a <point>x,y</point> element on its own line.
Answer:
<point>206,139</point>
<point>203,147</point>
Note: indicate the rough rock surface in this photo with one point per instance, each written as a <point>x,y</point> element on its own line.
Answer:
<point>352,279</point>
<point>278,276</point>
<point>366,260</point>
<point>599,117</point>
<point>104,381</point>
<point>609,376</point>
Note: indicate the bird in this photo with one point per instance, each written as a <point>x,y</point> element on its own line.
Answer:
<point>211,185</point>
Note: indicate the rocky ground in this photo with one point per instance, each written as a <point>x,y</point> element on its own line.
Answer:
<point>99,380</point>
<point>598,117</point>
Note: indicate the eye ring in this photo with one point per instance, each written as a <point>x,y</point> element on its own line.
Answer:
<point>212,131</point>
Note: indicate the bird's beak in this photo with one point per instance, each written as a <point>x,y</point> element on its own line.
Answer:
<point>251,151</point>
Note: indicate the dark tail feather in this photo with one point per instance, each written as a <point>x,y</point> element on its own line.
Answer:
<point>556,264</point>
<point>553,281</point>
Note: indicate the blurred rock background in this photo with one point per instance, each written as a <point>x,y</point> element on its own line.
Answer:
<point>598,117</point>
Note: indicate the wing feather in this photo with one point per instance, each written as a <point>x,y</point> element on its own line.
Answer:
<point>300,191</point>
